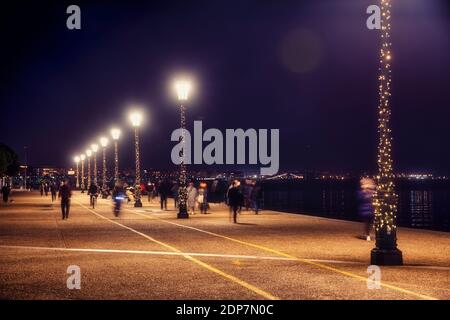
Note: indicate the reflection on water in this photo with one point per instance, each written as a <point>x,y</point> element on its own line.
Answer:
<point>421,204</point>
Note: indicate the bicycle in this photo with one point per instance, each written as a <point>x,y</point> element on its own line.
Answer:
<point>93,200</point>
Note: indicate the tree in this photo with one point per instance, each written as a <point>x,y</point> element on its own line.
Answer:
<point>9,161</point>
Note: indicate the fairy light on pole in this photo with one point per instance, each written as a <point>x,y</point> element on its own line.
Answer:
<point>76,159</point>
<point>115,134</point>
<point>183,89</point>
<point>136,120</point>
<point>94,148</point>
<point>89,154</point>
<point>82,158</point>
<point>104,143</point>
<point>385,201</point>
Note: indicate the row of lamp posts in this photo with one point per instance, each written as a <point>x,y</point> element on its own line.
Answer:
<point>183,88</point>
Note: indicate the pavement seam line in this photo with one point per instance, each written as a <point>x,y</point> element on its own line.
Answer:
<point>232,278</point>
<point>319,265</point>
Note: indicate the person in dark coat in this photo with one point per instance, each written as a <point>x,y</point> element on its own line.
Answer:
<point>53,191</point>
<point>235,199</point>
<point>6,190</point>
<point>164,190</point>
<point>65,194</point>
<point>256,197</point>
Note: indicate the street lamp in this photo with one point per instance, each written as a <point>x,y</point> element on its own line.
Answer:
<point>136,120</point>
<point>386,251</point>
<point>104,143</point>
<point>94,148</point>
<point>183,88</point>
<point>89,154</point>
<point>115,133</point>
<point>82,157</point>
<point>77,161</point>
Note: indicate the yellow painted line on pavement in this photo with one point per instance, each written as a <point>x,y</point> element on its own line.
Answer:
<point>316,264</point>
<point>234,279</point>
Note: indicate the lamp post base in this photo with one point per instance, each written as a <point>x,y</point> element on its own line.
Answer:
<point>183,214</point>
<point>138,203</point>
<point>386,257</point>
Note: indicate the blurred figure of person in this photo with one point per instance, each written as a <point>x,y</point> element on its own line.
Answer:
<point>163,190</point>
<point>46,189</point>
<point>256,197</point>
<point>65,194</point>
<point>366,208</point>
<point>191,197</point>
<point>235,199</point>
<point>150,188</point>
<point>118,194</point>
<point>176,194</point>
<point>41,189</point>
<point>106,192</point>
<point>247,193</point>
<point>53,191</point>
<point>130,194</point>
<point>6,190</point>
<point>202,198</point>
<point>93,193</point>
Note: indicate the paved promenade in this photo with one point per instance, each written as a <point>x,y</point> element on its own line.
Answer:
<point>147,253</point>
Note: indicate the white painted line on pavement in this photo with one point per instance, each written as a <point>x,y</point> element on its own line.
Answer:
<point>171,253</point>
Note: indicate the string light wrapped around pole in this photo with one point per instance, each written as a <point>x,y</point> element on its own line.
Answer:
<point>104,143</point>
<point>77,161</point>
<point>385,200</point>
<point>82,157</point>
<point>183,88</point>
<point>115,133</point>
<point>89,154</point>
<point>136,119</point>
<point>94,148</point>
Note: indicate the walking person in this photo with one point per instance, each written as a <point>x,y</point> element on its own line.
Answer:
<point>41,189</point>
<point>65,194</point>
<point>53,191</point>
<point>366,208</point>
<point>46,189</point>
<point>118,194</point>
<point>176,194</point>
<point>93,193</point>
<point>6,190</point>
<point>191,197</point>
<point>150,191</point>
<point>163,191</point>
<point>256,197</point>
<point>202,198</point>
<point>235,199</point>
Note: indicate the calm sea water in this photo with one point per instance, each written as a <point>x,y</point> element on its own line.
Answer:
<point>422,203</point>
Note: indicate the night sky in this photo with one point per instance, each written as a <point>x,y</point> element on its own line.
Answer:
<point>308,68</point>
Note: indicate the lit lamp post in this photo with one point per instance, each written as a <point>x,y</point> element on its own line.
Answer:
<point>104,143</point>
<point>385,251</point>
<point>94,148</point>
<point>182,88</point>
<point>115,133</point>
<point>89,154</point>
<point>82,157</point>
<point>136,119</point>
<point>77,161</point>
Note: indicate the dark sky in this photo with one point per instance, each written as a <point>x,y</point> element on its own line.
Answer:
<point>308,68</point>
